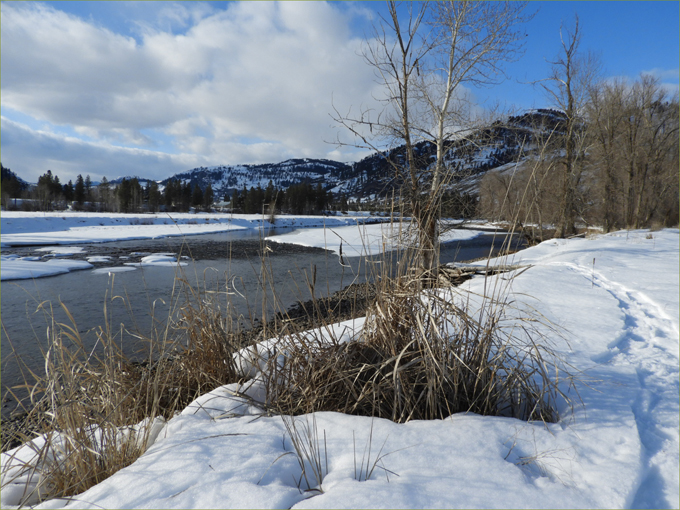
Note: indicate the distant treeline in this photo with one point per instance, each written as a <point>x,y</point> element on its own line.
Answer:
<point>131,196</point>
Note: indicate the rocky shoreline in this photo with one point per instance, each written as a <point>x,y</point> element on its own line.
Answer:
<point>196,249</point>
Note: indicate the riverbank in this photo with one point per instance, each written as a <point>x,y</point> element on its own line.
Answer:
<point>615,299</point>
<point>66,228</point>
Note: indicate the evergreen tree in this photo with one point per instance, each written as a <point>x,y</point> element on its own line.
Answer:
<point>154,196</point>
<point>208,197</point>
<point>197,197</point>
<point>124,196</point>
<point>88,188</point>
<point>169,194</point>
<point>185,196</point>
<point>320,198</point>
<point>269,193</point>
<point>79,192</point>
<point>45,191</point>
<point>68,191</point>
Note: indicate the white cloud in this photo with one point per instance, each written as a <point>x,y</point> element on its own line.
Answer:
<point>31,153</point>
<point>256,71</point>
<point>668,78</point>
<point>664,74</point>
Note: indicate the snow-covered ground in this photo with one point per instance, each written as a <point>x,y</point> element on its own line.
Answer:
<point>362,239</point>
<point>64,228</point>
<point>13,267</point>
<point>616,298</point>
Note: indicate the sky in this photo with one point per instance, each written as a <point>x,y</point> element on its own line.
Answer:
<point>155,88</point>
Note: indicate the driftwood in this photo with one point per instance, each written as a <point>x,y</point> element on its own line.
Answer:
<point>455,274</point>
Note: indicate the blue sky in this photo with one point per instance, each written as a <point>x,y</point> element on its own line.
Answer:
<point>154,88</point>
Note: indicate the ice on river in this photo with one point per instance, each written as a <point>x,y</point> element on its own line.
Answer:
<point>13,267</point>
<point>616,299</point>
<point>31,228</point>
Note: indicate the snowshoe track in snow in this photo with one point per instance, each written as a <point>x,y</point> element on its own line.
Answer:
<point>649,343</point>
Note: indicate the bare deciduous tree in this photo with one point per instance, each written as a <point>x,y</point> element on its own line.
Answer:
<point>425,65</point>
<point>606,114</point>
<point>568,86</point>
<point>635,152</point>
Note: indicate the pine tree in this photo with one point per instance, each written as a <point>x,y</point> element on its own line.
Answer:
<point>154,196</point>
<point>208,197</point>
<point>88,188</point>
<point>79,192</point>
<point>68,191</point>
<point>197,197</point>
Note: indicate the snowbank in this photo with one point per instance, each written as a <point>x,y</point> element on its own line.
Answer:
<point>14,267</point>
<point>30,228</point>
<point>616,296</point>
<point>362,240</point>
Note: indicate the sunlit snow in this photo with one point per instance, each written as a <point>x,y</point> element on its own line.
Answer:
<point>614,297</point>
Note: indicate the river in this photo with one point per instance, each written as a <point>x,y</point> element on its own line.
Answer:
<point>139,300</point>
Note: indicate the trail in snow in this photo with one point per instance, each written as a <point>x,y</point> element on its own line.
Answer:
<point>649,343</point>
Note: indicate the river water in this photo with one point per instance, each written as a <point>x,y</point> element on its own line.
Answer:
<point>139,300</point>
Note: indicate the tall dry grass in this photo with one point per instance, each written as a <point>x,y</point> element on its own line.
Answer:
<point>424,352</point>
<point>95,410</point>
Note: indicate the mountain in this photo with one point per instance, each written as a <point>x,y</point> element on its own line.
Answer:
<point>471,157</point>
<point>225,179</point>
<point>7,175</point>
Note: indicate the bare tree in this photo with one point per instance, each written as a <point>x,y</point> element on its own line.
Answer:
<point>606,115</point>
<point>568,88</point>
<point>651,146</point>
<point>635,152</point>
<point>425,65</point>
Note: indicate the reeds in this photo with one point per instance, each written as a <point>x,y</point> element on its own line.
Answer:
<point>422,353</point>
<point>96,410</point>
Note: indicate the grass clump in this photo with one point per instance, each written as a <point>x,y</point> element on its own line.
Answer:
<point>422,353</point>
<point>422,356</point>
<point>96,410</point>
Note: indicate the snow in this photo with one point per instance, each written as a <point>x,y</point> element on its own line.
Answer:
<point>68,228</point>
<point>360,240</point>
<point>115,269</point>
<point>158,259</point>
<point>13,267</point>
<point>61,251</point>
<point>99,259</point>
<point>615,298</point>
<point>31,228</point>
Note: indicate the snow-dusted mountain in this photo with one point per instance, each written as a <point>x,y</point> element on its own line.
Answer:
<point>470,158</point>
<point>225,179</point>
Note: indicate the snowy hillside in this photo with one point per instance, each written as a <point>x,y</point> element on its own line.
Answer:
<point>469,158</point>
<point>225,179</point>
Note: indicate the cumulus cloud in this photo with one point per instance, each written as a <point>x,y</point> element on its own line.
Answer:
<point>249,84</point>
<point>669,79</point>
<point>32,152</point>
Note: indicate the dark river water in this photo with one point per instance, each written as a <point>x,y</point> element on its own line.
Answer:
<point>140,300</point>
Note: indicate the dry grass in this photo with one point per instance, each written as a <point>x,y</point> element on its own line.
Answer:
<point>95,410</point>
<point>422,356</point>
<point>423,353</point>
